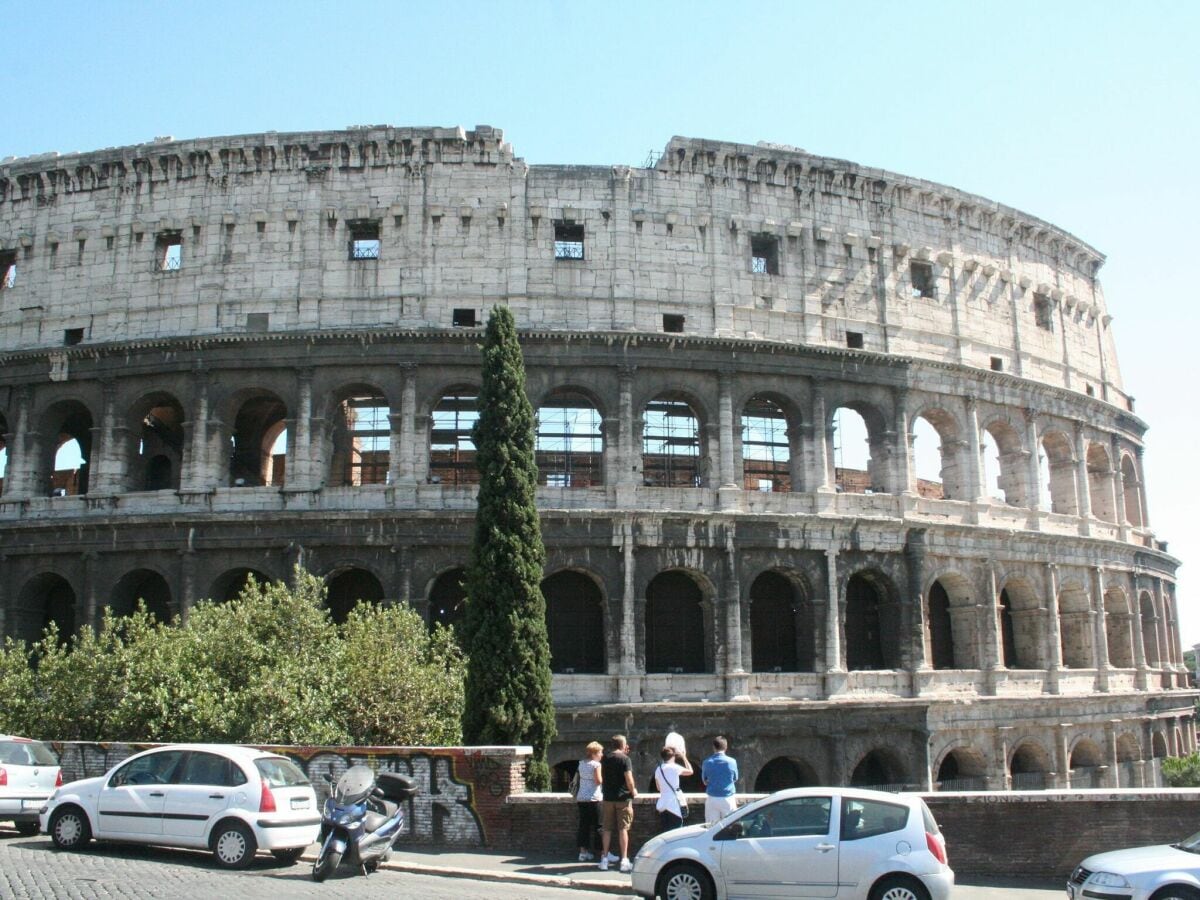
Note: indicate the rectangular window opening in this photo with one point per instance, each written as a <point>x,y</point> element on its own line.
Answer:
<point>672,324</point>
<point>1091,391</point>
<point>568,241</point>
<point>364,240</point>
<point>1043,312</point>
<point>168,251</point>
<point>997,364</point>
<point>854,340</point>
<point>463,318</point>
<point>258,322</point>
<point>922,279</point>
<point>8,269</point>
<point>764,254</point>
<point>72,336</point>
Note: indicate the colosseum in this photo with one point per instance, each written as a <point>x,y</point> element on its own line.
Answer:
<point>227,356</point>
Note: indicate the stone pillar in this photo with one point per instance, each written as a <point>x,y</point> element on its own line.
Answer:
<point>1100,630</point>
<point>735,674</point>
<point>1062,754</point>
<point>1053,628</point>
<point>300,452</point>
<point>109,457</point>
<point>1037,491</point>
<point>187,581</point>
<point>1165,660</point>
<point>194,475</point>
<point>90,612</point>
<point>629,688</point>
<point>975,488</point>
<point>1118,483</point>
<point>628,464</point>
<point>1003,780</point>
<point>903,448</point>
<point>23,448</point>
<point>820,480</point>
<point>402,447</point>
<point>833,626</point>
<point>1142,681</point>
<point>1141,475</point>
<point>914,555</point>
<point>1081,480</point>
<point>726,468</point>
<point>1114,767</point>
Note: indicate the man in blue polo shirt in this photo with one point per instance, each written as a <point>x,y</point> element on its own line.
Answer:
<point>720,774</point>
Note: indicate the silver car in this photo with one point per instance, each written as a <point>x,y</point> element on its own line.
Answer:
<point>1164,872</point>
<point>803,842</point>
<point>29,773</point>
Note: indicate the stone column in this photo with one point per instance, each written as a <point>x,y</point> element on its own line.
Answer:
<point>90,612</point>
<point>1141,476</point>
<point>835,669</point>
<point>820,479</point>
<point>1062,738</point>
<point>726,468</point>
<point>1118,482</point>
<point>1082,490</point>
<point>1053,628</point>
<point>187,581</point>
<point>994,658</point>
<point>402,448</point>
<point>194,474</point>
<point>903,449</point>
<point>1165,656</point>
<point>1037,491</point>
<point>300,453</point>
<point>628,467</point>
<point>109,456</point>
<point>1139,646</point>
<point>735,674</point>
<point>1100,630</point>
<point>22,446</point>
<point>1114,767</point>
<point>975,488</point>
<point>629,688</point>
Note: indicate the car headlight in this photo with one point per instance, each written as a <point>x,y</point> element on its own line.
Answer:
<point>1108,879</point>
<point>650,848</point>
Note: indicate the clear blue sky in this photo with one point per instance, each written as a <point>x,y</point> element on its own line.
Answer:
<point>1082,113</point>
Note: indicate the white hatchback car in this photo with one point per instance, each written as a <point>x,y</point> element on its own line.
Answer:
<point>228,799</point>
<point>1164,872</point>
<point>803,842</point>
<point>29,773</point>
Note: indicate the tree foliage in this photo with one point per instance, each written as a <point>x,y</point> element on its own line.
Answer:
<point>267,667</point>
<point>1181,771</point>
<point>508,699</point>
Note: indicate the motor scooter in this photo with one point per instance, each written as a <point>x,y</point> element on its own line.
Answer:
<point>361,819</point>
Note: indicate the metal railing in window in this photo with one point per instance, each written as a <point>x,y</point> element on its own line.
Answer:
<point>366,248</point>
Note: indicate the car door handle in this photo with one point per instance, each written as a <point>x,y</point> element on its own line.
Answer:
<point>216,796</point>
<point>825,848</point>
<point>157,794</point>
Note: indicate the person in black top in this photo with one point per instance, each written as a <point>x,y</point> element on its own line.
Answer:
<point>618,789</point>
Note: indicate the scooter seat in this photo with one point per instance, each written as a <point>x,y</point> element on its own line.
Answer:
<point>373,821</point>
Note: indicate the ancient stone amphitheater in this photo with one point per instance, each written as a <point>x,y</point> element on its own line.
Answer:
<point>228,356</point>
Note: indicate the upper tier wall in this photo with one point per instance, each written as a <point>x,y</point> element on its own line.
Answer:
<point>264,225</point>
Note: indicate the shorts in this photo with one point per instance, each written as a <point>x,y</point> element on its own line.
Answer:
<point>718,808</point>
<point>617,815</point>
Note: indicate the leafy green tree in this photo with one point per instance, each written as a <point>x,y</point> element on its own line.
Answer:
<point>1181,771</point>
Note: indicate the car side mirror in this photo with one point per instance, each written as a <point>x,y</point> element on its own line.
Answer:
<point>730,832</point>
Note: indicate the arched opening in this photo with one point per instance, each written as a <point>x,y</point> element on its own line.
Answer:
<point>937,456</point>
<point>347,589</point>
<point>881,771</point>
<point>570,442</point>
<point>1074,613</point>
<point>1158,745</point>
<point>1008,633</point>
<point>1129,756</point>
<point>447,599</point>
<point>941,628</point>
<point>258,443</point>
<point>1149,631</point>
<point>157,425</point>
<point>69,425</point>
<point>1003,464</point>
<point>574,623</point>
<point>3,452</point>
<point>1118,628</point>
<point>675,625</point>
<point>866,646</point>
<point>766,447</point>
<point>859,452</point>
<point>561,775</point>
<point>1029,767</point>
<point>231,584</point>
<point>361,440</point>
<point>451,445</point>
<point>1100,483</point>
<point>962,769</point>
<point>1131,491</point>
<point>1023,625</point>
<point>1060,473</point>
<point>773,637</point>
<point>46,600</point>
<point>146,585</point>
<point>1086,765</point>
<point>785,772</point>
<point>671,455</point>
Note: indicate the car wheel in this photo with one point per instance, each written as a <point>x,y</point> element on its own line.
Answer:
<point>233,845</point>
<point>289,856</point>
<point>899,887</point>
<point>69,828</point>
<point>686,881</point>
<point>26,829</point>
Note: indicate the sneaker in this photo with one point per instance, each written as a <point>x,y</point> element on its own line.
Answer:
<point>626,865</point>
<point>604,864</point>
<point>584,856</point>
<point>611,857</point>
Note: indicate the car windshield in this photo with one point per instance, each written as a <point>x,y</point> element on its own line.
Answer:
<point>26,753</point>
<point>1191,844</point>
<point>279,772</point>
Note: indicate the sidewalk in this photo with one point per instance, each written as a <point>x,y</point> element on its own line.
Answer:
<point>489,865</point>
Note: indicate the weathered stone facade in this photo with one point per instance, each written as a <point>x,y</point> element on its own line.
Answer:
<point>174,313</point>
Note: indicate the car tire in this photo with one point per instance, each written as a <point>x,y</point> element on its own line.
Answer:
<point>686,881</point>
<point>233,845</point>
<point>290,856</point>
<point>899,887</point>
<point>326,865</point>
<point>69,828</point>
<point>26,829</point>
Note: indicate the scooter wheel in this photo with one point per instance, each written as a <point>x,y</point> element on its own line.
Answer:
<point>371,866</point>
<point>326,865</point>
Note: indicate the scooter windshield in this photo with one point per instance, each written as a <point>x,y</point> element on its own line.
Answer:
<point>354,785</point>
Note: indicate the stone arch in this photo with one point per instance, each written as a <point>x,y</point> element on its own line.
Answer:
<point>880,768</point>
<point>767,452</point>
<point>1028,766</point>
<point>852,474</point>
<point>259,422</point>
<point>872,622</point>
<point>1010,460</point>
<point>1086,764</point>
<point>561,774</point>
<point>673,445</point>
<point>230,584</point>
<point>1060,463</point>
<point>348,587</point>
<point>142,584</point>
<point>782,626</point>
<point>785,772</point>
<point>66,448</point>
<point>951,480</point>
<point>451,445</point>
<point>1118,626</point>
<point>1131,490</point>
<point>155,454</point>
<point>575,622</point>
<point>1022,624</point>
<point>1075,617</point>
<point>1100,483</point>
<point>1149,630</point>
<point>1129,748</point>
<point>447,598</point>
<point>1158,745</point>
<point>570,440</point>
<point>45,599</point>
<point>961,768</point>
<point>676,615</point>
<point>359,436</point>
<point>952,623</point>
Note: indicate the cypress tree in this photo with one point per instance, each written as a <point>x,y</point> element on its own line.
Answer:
<point>508,698</point>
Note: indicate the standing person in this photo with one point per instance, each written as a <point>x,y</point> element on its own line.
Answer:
<point>616,772</point>
<point>587,800</point>
<point>720,775</point>
<point>666,776</point>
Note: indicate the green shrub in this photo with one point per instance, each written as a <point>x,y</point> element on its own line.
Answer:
<point>1181,771</point>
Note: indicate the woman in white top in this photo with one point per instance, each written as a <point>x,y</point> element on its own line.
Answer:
<point>666,776</point>
<point>587,800</point>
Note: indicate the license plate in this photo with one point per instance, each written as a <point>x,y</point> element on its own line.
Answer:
<point>299,802</point>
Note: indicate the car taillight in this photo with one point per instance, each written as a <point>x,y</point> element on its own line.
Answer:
<point>58,780</point>
<point>266,802</point>
<point>3,777</point>
<point>937,846</point>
